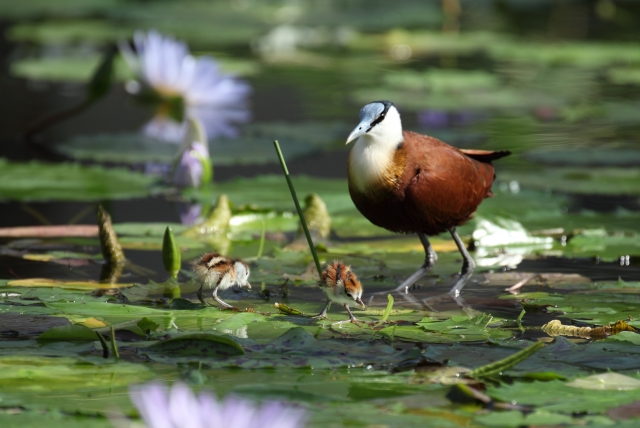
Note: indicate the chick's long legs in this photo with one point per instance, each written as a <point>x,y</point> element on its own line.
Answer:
<point>214,294</point>
<point>352,318</point>
<point>323,314</point>
<point>199,294</point>
<point>430,260</point>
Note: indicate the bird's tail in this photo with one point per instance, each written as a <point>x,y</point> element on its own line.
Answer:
<point>485,156</point>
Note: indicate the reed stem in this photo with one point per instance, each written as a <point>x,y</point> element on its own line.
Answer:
<point>297,204</point>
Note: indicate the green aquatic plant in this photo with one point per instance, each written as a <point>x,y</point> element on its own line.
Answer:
<point>111,249</point>
<point>316,215</point>
<point>171,257</point>
<point>303,222</point>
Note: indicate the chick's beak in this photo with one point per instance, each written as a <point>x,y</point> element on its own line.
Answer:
<point>359,301</point>
<point>248,285</point>
<point>360,130</point>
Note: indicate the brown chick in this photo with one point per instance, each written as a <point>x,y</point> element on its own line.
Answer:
<point>342,286</point>
<point>220,272</point>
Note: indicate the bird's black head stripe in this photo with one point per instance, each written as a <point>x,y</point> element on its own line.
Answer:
<point>387,105</point>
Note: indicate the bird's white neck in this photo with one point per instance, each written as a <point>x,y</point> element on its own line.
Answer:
<point>373,152</point>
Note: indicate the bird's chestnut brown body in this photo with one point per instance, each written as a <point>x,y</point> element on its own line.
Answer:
<point>429,187</point>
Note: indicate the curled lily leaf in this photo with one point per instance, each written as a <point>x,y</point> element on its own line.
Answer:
<point>316,214</point>
<point>217,222</point>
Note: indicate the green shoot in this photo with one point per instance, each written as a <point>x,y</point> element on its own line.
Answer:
<point>297,204</point>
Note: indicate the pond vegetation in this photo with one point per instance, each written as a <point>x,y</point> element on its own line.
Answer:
<point>96,301</point>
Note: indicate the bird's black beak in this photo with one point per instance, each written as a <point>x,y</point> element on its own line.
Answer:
<point>359,301</point>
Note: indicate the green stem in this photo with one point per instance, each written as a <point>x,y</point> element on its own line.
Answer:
<point>114,346</point>
<point>506,363</point>
<point>103,343</point>
<point>295,201</point>
<point>387,311</point>
<point>262,236</point>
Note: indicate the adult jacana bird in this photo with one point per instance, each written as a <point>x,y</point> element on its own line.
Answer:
<point>411,183</point>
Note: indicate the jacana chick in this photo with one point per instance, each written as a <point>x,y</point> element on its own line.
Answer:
<point>342,286</point>
<point>411,183</point>
<point>220,272</point>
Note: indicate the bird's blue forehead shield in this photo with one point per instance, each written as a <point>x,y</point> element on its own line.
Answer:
<point>368,116</point>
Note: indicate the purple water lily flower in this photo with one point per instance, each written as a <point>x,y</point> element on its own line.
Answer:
<point>194,86</point>
<point>190,170</point>
<point>179,407</point>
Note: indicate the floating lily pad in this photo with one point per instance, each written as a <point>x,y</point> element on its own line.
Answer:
<point>254,146</point>
<point>586,157</point>
<point>194,345</point>
<point>294,348</point>
<point>607,181</point>
<point>68,333</point>
<point>606,382</point>
<point>37,181</point>
<point>624,76</point>
<point>39,374</point>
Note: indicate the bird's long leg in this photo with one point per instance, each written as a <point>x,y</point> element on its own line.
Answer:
<point>352,318</point>
<point>214,294</point>
<point>468,265</point>
<point>323,314</point>
<point>430,260</point>
<point>199,294</point>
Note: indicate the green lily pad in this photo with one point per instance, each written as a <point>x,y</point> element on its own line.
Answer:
<point>194,345</point>
<point>252,147</point>
<point>294,348</point>
<point>558,397</point>
<point>606,382</point>
<point>586,157</point>
<point>37,181</point>
<point>40,374</point>
<point>624,75</point>
<point>607,181</point>
<point>61,69</point>
<point>68,333</point>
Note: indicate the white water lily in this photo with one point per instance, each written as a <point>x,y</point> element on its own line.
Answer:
<point>186,86</point>
<point>178,407</point>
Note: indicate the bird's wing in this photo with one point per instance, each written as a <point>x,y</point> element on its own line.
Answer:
<point>443,185</point>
